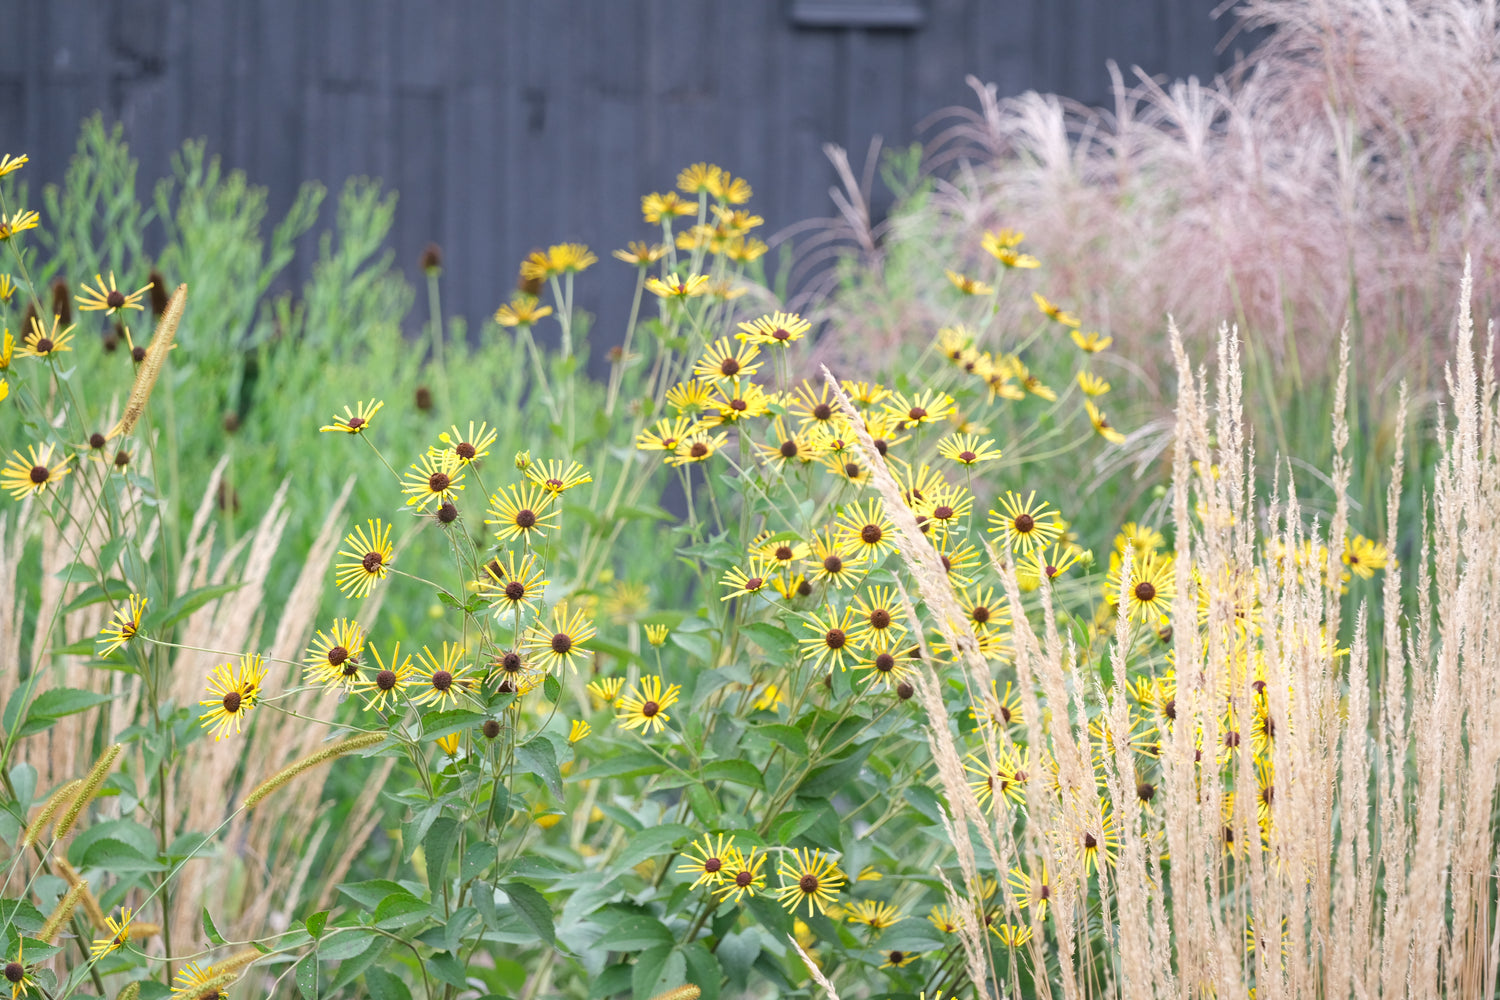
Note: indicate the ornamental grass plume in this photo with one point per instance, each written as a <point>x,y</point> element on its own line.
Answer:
<point>363,741</point>
<point>87,789</point>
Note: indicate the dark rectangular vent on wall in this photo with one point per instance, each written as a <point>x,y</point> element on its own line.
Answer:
<point>906,14</point>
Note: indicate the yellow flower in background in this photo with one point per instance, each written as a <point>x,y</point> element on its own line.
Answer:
<point>969,286</point>
<point>770,698</point>
<point>10,164</point>
<point>355,421</point>
<point>699,446</point>
<point>1102,425</point>
<point>646,708</point>
<point>522,512</point>
<point>641,254</point>
<point>433,478</point>
<point>466,448</point>
<point>1025,523</point>
<point>110,299</point>
<point>745,249</point>
<point>700,178</point>
<point>1364,556</point>
<point>444,677</point>
<point>7,288</point>
<point>388,683</point>
<point>967,449</point>
<point>1091,384</point>
<point>1011,935</point>
<point>556,478</point>
<point>570,258</point>
<point>926,407</point>
<point>777,329</point>
<point>1054,311</point>
<point>579,730</point>
<point>735,400</point>
<point>809,877</point>
<point>874,914</point>
<point>334,658</point>
<point>18,222</point>
<point>42,342</point>
<point>737,222</point>
<point>1047,563</point>
<point>673,287</point>
<point>742,878</point>
<point>123,626</point>
<point>606,689</point>
<point>191,980</point>
<point>1153,584</point>
<point>656,635</point>
<point>1091,343</point>
<point>1002,247</point>
<point>723,360</point>
<point>370,558</point>
<point>522,310</point>
<point>449,744</point>
<point>119,933</point>
<point>235,689</point>
<point>33,473</point>
<point>735,190</point>
<point>656,207</point>
<point>557,645</point>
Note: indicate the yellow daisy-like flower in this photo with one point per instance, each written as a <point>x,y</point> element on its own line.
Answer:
<point>1091,384</point>
<point>960,559</point>
<point>943,509</point>
<point>742,583</point>
<point>190,982</point>
<point>809,877</point>
<point>370,558</point>
<point>42,342</point>
<point>786,446</point>
<point>1153,584</point>
<point>517,674</point>
<point>777,329</point>
<point>556,478</point>
<point>123,627</point>
<point>673,287</point>
<point>831,644</point>
<point>699,446</point>
<point>235,689</point>
<point>944,919</point>
<point>7,288</point>
<point>433,479</point>
<point>1011,935</point>
<point>700,178</point>
<point>646,708</point>
<point>666,435</point>
<point>833,560</point>
<point>1364,556</point>
<point>606,689</point>
<point>466,449</point>
<point>32,474</point>
<point>746,249</point>
<point>867,530</point>
<point>878,616</point>
<point>926,407</point>
<point>18,222</point>
<point>1054,311</point>
<point>736,222</point>
<point>708,861</point>
<point>641,254</point>
<point>387,683</point>
<point>109,299</point>
<point>1102,425</point>
<point>723,360</point>
<point>524,512</point>
<point>10,164</point>
<point>444,677</point>
<point>333,658</point>
<point>887,665</point>
<point>512,585</point>
<point>1091,342</point>
<point>969,286</point>
<point>656,635</point>
<point>1024,523</point>
<point>119,933</point>
<point>522,310</point>
<point>967,449</point>
<point>355,421</point>
<point>692,396</point>
<point>556,646</point>
<point>1031,892</point>
<point>735,190</point>
<point>656,207</point>
<point>570,258</point>
<point>874,914</point>
<point>743,878</point>
<point>735,400</point>
<point>1043,563</point>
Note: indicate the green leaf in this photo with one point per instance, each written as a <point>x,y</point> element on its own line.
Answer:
<point>789,736</point>
<point>649,843</point>
<point>741,772</point>
<point>342,943</point>
<point>210,931</point>
<point>704,805</point>
<point>537,756</point>
<point>450,600</point>
<point>630,764</point>
<point>314,923</point>
<point>385,986</point>
<point>54,704</point>
<point>737,953</point>
<point>613,980</point>
<point>401,909</point>
<point>455,720</point>
<point>118,856</point>
<point>826,780</point>
<point>703,969</point>
<point>109,590</point>
<point>697,644</point>
<point>447,969</point>
<point>777,642</point>
<point>369,894</point>
<point>187,603</point>
<point>533,908</point>
<point>438,846</point>
<point>476,861</point>
<point>635,932</point>
<point>351,968</point>
<point>656,971</point>
<point>307,977</point>
<point>794,823</point>
<point>552,688</point>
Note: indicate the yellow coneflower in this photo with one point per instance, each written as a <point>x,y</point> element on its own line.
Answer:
<point>673,287</point>
<point>867,530</point>
<point>967,449</point>
<point>746,249</point>
<point>1024,523</point>
<point>333,657</point>
<point>777,329</point>
<point>692,396</point>
<point>959,558</point>
<point>944,919</point>
<point>1091,384</point>
<point>878,616</point>
<point>235,689</point>
<point>926,407</point>
<point>1011,935</point>
<point>874,914</point>
<point>1364,556</point>
<point>17,973</point>
<point>810,877</point>
<point>641,254</point>
<point>43,342</point>
<point>370,559</point>
<point>123,626</point>
<point>656,635</point>
<point>109,300</point>
<point>771,697</point>
<point>708,861</point>
<point>1054,311</point>
<point>33,473</point>
<point>832,560</point>
<point>723,359</point>
<point>699,446</point>
<point>887,665</point>
<point>736,221</point>
<point>10,164</point>
<point>199,982</point>
<point>743,583</point>
<point>466,448</point>
<point>787,446</point>
<point>579,730</point>
<point>511,585</point>
<point>606,689</point>
<point>556,646</point>
<point>522,310</point>
<point>1031,892</point>
<point>119,934</point>
<point>524,512</point>
<point>656,207</point>
<point>700,178</point>
<point>443,677</point>
<point>831,644</point>
<point>18,222</point>
<point>355,421</point>
<point>1102,425</point>
<point>556,478</point>
<point>1047,563</point>
<point>1091,342</point>
<point>967,285</point>
<point>1153,584</point>
<point>742,878</point>
<point>646,708</point>
<point>433,479</point>
<point>734,400</point>
<point>666,435</point>
<point>518,675</point>
<point>388,683</point>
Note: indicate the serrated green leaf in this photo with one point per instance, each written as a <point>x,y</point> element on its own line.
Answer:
<point>703,970</point>
<point>656,971</point>
<point>532,907</point>
<point>552,688</point>
<point>446,968</point>
<point>118,856</point>
<point>448,599</point>
<point>187,603</point>
<point>537,756</point>
<point>55,703</point>
<point>209,930</point>
<point>369,894</point>
<point>649,843</point>
<point>634,932</point>
<point>438,846</point>
<point>630,764</point>
<point>741,772</point>
<point>109,590</point>
<point>829,778</point>
<point>385,986</point>
<point>401,909</point>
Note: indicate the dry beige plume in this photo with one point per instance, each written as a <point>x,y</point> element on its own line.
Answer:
<point>156,359</point>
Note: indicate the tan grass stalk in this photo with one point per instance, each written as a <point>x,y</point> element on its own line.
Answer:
<point>812,967</point>
<point>90,904</point>
<point>64,910</point>
<point>150,369</point>
<point>88,789</point>
<point>132,991</point>
<point>363,741</point>
<point>55,801</point>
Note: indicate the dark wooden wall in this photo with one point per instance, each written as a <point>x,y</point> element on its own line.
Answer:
<point>510,124</point>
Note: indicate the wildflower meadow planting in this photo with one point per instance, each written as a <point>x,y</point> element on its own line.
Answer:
<point>948,632</point>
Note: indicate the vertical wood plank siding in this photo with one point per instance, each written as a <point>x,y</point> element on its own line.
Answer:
<point>507,125</point>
